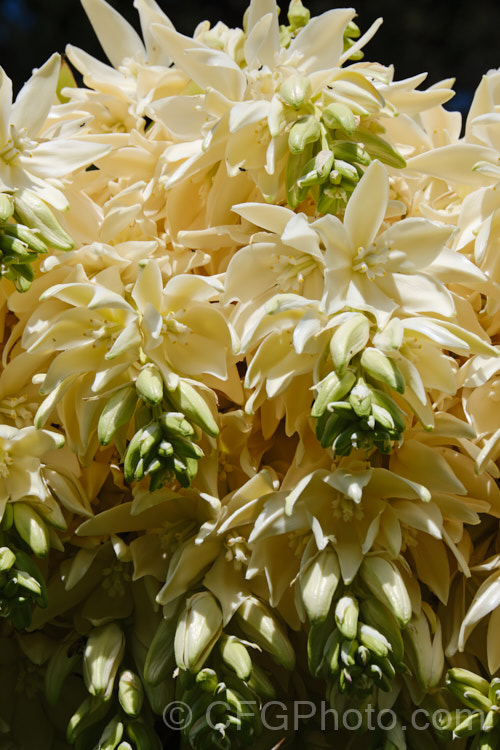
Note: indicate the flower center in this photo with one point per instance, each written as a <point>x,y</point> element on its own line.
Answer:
<point>114,579</point>
<point>346,509</point>
<point>175,535</point>
<point>236,550</point>
<point>6,460</point>
<point>370,261</point>
<point>293,270</point>
<point>17,142</point>
<point>13,409</point>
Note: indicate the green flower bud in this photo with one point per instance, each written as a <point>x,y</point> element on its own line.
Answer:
<point>386,584</point>
<point>208,681</point>
<point>380,367</point>
<point>295,90</point>
<point>297,15</point>
<point>30,210</point>
<point>173,423</point>
<point>27,236</point>
<point>339,116</point>
<point>116,413</point>
<point>7,558</point>
<point>130,693</point>
<point>198,630</point>
<point>360,399</point>
<point>160,659</point>
<point>318,582</point>
<point>6,207</point>
<point>349,339</point>
<point>32,528</point>
<point>305,130</point>
<point>236,656</point>
<point>102,657</point>
<point>374,640</point>
<point>112,734</point>
<point>260,683</point>
<point>260,626</point>
<point>317,169</point>
<point>346,616</point>
<point>149,385</point>
<point>189,402</point>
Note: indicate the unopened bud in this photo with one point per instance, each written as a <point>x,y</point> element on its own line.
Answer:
<point>149,385</point>
<point>346,616</point>
<point>318,583</point>
<point>102,657</point>
<point>130,693</point>
<point>297,15</point>
<point>198,630</point>
<point>306,130</point>
<point>259,625</point>
<point>339,116</point>
<point>295,90</point>
<point>236,656</point>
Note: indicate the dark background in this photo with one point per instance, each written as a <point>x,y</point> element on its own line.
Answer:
<point>446,39</point>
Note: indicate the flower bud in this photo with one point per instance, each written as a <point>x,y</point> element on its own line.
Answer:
<point>236,656</point>
<point>318,582</point>
<point>339,116</point>
<point>31,528</point>
<point>7,558</point>
<point>30,210</point>
<point>306,130</point>
<point>297,15</point>
<point>112,734</point>
<point>102,657</point>
<point>160,659</point>
<point>198,630</point>
<point>382,368</point>
<point>259,624</point>
<point>208,681</point>
<point>130,693</point>
<point>346,616</point>
<point>386,584</point>
<point>295,90</point>
<point>189,402</point>
<point>6,207</point>
<point>373,640</point>
<point>116,413</point>
<point>149,385</point>
<point>349,339</point>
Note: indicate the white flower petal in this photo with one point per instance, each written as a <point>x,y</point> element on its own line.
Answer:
<point>5,105</point>
<point>367,206</point>
<point>321,42</point>
<point>118,38</point>
<point>263,39</point>
<point>59,158</point>
<point>209,68</point>
<point>35,99</point>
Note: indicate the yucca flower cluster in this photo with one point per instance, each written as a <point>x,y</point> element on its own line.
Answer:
<point>249,394</point>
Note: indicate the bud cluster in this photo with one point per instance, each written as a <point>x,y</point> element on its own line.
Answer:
<point>28,228</point>
<point>22,585</point>
<point>110,717</point>
<point>483,700</point>
<point>163,445</point>
<point>352,405</point>
<point>329,149</point>
<point>357,648</point>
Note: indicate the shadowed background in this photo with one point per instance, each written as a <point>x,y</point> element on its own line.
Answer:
<point>458,39</point>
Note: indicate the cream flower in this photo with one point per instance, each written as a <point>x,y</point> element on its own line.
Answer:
<point>20,462</point>
<point>248,96</point>
<point>27,158</point>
